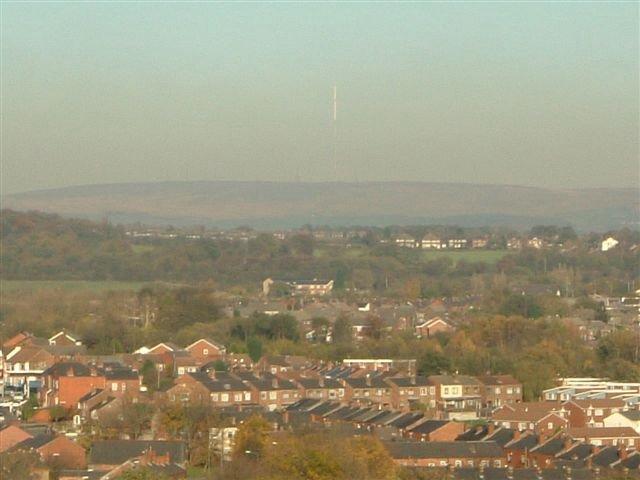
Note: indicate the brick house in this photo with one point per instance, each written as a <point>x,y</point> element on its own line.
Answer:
<point>517,450</point>
<point>592,412</point>
<point>500,390</point>
<point>66,382</point>
<point>406,391</point>
<point>367,389</point>
<point>58,451</point>
<point>544,418</point>
<point>25,364</point>
<point>444,454</point>
<point>431,327</point>
<point>606,435</point>
<point>320,388</point>
<point>64,339</point>
<point>205,350</point>
<point>121,381</point>
<point>162,347</point>
<point>223,390</point>
<point>271,391</point>
<point>435,431</point>
<point>458,396</point>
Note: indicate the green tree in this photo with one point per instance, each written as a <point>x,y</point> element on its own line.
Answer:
<point>254,348</point>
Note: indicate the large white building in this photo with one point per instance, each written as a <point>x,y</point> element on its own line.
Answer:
<point>608,243</point>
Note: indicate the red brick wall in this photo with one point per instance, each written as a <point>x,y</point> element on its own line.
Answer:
<point>71,389</point>
<point>197,351</point>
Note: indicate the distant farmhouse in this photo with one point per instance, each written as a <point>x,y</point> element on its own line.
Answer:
<point>608,243</point>
<point>298,287</point>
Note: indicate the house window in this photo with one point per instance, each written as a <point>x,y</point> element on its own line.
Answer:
<point>443,463</point>
<point>273,395</point>
<point>509,390</point>
<point>114,387</point>
<point>550,425</point>
<point>237,397</point>
<point>446,390</point>
<point>263,395</point>
<point>205,351</point>
<point>497,463</point>
<point>247,396</point>
<point>423,391</point>
<point>214,397</point>
<point>458,463</point>
<point>498,390</point>
<point>224,397</point>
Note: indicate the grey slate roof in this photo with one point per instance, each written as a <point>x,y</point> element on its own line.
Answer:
<point>408,382</point>
<point>406,420</point>
<point>605,457</point>
<point>473,434</point>
<point>429,426</point>
<point>501,436</point>
<point>551,447</point>
<point>116,452</point>
<point>525,442</point>
<point>63,369</point>
<point>444,449</point>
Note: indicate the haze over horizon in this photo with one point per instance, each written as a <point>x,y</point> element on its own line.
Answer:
<point>529,94</point>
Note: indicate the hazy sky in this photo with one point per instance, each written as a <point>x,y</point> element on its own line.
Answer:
<point>539,94</point>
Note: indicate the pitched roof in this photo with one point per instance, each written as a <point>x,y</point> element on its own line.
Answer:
<point>36,442</point>
<point>116,452</point>
<point>444,449</point>
<point>453,380</point>
<point>366,382</point>
<point>408,382</point>
<point>599,403</point>
<point>213,343</point>
<point>501,436</point>
<point>67,369</point>
<point>223,382</point>
<point>498,380</point>
<point>579,451</point>
<point>606,456</point>
<point>552,446</point>
<point>428,426</point>
<point>602,432</point>
<point>633,415</point>
<point>406,420</point>
<point>526,442</point>
<point>524,412</point>
<point>473,434</point>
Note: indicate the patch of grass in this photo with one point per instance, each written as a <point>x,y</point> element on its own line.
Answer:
<point>85,285</point>
<point>137,248</point>
<point>487,256</point>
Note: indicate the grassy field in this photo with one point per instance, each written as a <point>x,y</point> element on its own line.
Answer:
<point>92,286</point>
<point>487,256</point>
<point>139,248</point>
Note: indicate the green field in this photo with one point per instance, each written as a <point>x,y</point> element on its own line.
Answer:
<point>487,256</point>
<point>92,286</point>
<point>138,248</point>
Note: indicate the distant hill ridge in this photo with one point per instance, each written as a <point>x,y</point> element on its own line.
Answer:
<point>291,204</point>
